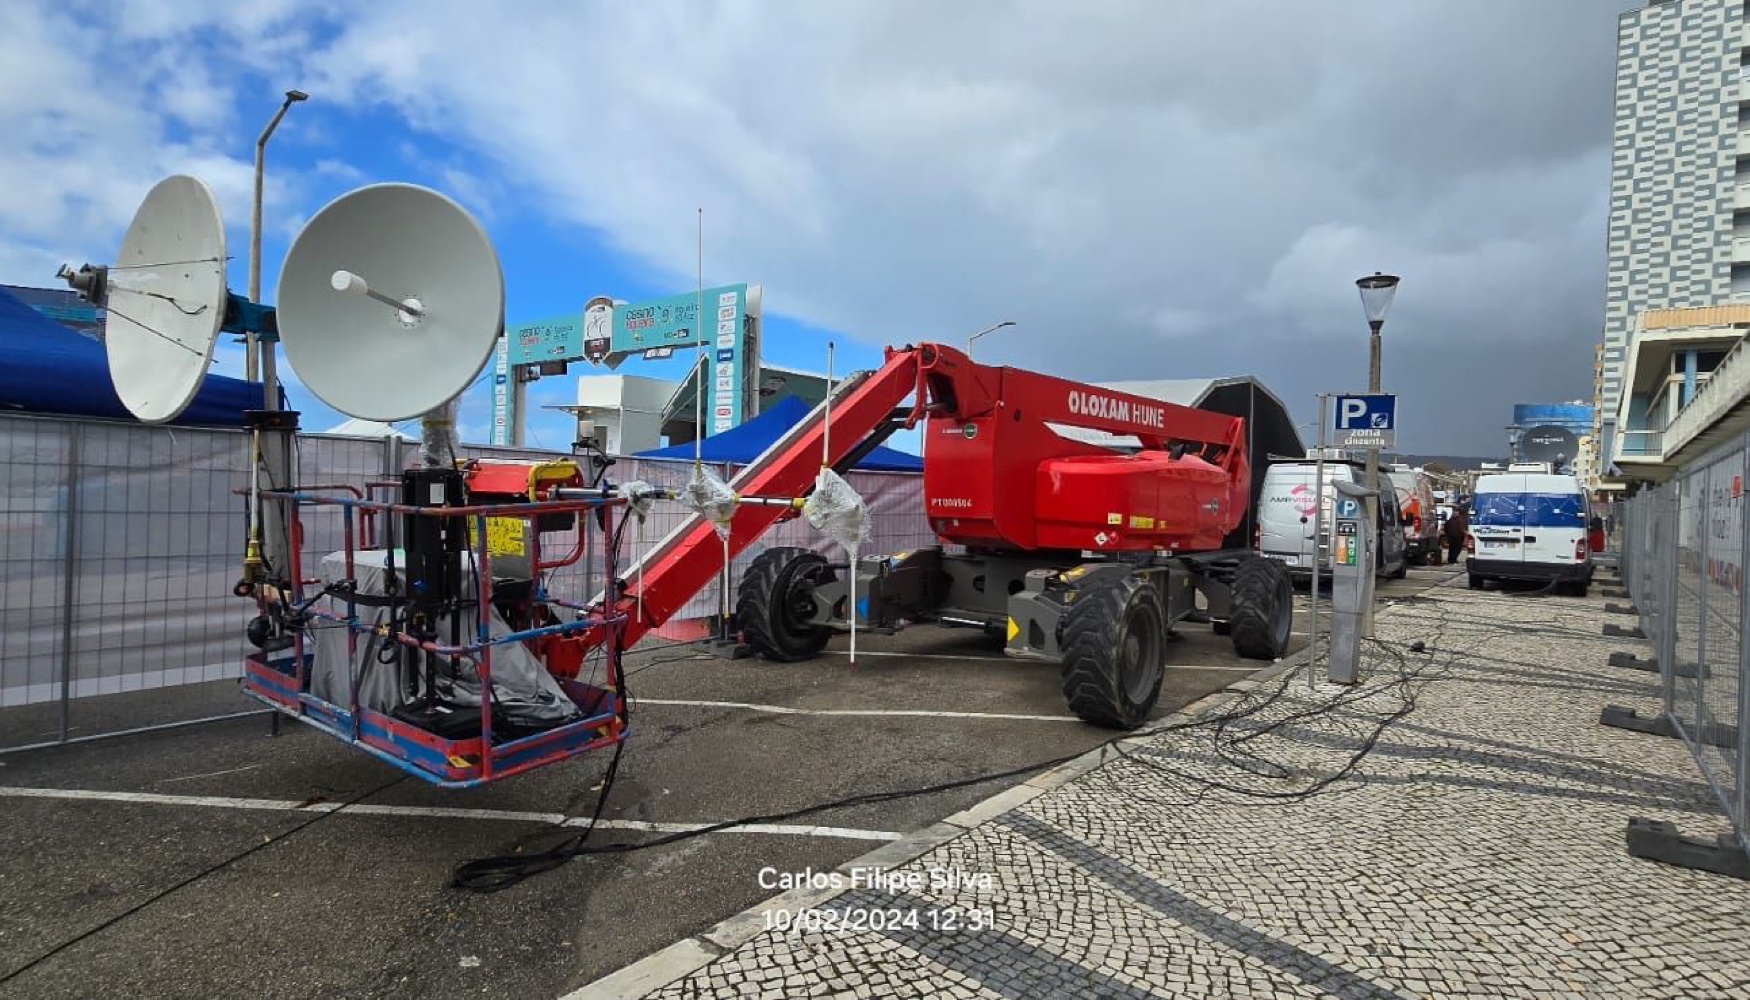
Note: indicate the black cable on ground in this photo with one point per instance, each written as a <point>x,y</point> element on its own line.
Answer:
<point>493,874</point>
<point>196,877</point>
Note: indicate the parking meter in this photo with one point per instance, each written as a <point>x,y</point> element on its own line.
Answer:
<point>1354,542</point>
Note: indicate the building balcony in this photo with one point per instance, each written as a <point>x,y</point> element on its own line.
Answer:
<point>1641,445</point>
<point>1717,409</point>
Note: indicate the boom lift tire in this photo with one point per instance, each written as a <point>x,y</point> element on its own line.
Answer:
<point>1263,609</point>
<point>776,602</point>
<point>1114,643</point>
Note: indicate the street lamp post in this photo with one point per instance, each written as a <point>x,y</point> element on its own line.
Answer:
<point>1377,292</point>
<point>259,364</point>
<point>988,329</point>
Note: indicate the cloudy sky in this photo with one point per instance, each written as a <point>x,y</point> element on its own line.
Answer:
<point>1148,188</point>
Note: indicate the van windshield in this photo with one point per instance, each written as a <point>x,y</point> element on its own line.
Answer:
<point>1544,510</point>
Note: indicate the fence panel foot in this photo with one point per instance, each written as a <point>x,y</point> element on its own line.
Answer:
<point>726,649</point>
<point>1657,840</point>
<point>1630,661</point>
<point>1618,717</point>
<point>1633,632</point>
<point>1621,609</point>
<point>1614,592</point>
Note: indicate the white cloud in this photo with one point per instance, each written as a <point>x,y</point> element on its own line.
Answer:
<point>1146,188</point>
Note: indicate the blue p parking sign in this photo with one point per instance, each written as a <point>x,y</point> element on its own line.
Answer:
<point>1367,421</point>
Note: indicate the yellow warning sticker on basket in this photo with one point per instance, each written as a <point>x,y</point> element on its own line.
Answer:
<point>1114,519</point>
<point>505,536</point>
<point>1138,521</point>
<point>1014,630</point>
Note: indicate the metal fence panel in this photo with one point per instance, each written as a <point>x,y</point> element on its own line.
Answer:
<point>35,550</point>
<point>1685,546</point>
<point>1720,488</point>
<point>120,543</point>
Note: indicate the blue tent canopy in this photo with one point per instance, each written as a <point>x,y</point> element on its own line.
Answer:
<point>48,368</point>
<point>745,443</point>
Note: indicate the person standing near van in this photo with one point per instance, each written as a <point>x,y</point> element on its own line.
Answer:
<point>1456,527</point>
<point>1596,539</point>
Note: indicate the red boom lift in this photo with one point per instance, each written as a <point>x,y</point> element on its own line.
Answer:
<point>1070,551</point>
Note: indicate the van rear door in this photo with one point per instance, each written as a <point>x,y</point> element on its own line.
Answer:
<point>1285,517</point>
<point>1555,522</point>
<point>1498,518</point>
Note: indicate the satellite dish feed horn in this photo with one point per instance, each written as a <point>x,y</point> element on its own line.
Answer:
<point>165,299</point>
<point>391,301</point>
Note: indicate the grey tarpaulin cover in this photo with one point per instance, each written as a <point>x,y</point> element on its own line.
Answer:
<point>523,689</point>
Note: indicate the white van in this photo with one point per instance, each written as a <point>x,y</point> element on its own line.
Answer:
<point>1285,518</point>
<point>1416,499</point>
<point>1529,526</point>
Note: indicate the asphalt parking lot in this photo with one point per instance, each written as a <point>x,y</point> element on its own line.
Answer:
<point>212,861</point>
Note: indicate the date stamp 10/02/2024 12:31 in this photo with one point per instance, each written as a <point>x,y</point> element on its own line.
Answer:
<point>904,912</point>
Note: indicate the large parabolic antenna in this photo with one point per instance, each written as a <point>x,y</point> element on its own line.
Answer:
<point>1549,443</point>
<point>390,302</point>
<point>166,299</point>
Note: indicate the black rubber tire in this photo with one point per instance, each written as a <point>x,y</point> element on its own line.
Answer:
<point>768,604</point>
<point>1402,571</point>
<point>1114,652</point>
<point>1220,627</point>
<point>1475,581</point>
<point>1263,609</point>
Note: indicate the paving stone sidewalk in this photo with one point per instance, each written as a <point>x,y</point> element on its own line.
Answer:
<point>1477,850</point>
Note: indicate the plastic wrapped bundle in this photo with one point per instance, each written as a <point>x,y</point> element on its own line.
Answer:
<point>711,497</point>
<point>837,511</point>
<point>437,436</point>
<point>640,497</point>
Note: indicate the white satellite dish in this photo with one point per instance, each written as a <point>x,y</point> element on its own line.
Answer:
<point>391,301</point>
<point>166,300</point>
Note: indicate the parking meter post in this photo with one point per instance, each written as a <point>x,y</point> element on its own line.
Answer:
<point>1352,544</point>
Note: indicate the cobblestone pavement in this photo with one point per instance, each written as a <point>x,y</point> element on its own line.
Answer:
<point>1477,850</point>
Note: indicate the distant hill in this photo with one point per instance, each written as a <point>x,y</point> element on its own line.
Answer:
<point>1457,463</point>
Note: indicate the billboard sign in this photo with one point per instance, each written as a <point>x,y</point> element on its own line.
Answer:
<point>503,396</point>
<point>559,338</point>
<point>674,321</point>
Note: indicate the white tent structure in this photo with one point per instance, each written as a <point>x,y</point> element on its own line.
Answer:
<point>358,427</point>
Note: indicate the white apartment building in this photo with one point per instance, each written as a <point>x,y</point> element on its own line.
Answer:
<point>1679,235</point>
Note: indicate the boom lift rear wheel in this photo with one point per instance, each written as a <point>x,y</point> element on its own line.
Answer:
<point>777,604</point>
<point>1263,609</point>
<point>1114,644</point>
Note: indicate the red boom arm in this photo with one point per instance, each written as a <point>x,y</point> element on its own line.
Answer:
<point>995,473</point>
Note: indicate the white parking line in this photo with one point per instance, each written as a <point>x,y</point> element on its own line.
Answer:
<point>917,655</point>
<point>208,774</point>
<point>443,812</point>
<point>916,713</point>
<point>983,659</point>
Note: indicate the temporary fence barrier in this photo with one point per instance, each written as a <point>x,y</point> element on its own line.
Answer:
<point>1684,549</point>
<point>120,544</point>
